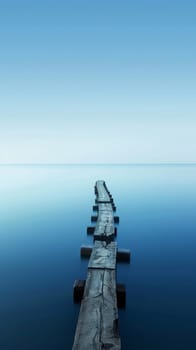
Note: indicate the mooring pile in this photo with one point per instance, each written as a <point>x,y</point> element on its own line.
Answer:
<point>100,296</point>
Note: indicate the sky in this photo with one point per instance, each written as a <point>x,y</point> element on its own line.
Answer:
<point>100,81</point>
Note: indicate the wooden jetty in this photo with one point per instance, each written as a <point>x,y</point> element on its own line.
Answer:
<point>97,326</point>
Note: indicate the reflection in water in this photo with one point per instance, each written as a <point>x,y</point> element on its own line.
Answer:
<point>44,212</point>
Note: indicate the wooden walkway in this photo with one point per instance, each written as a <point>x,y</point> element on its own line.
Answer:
<point>97,326</point>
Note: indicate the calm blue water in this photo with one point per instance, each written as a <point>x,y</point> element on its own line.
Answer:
<point>44,212</point>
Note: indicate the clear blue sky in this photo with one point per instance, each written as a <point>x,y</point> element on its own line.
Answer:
<point>97,81</point>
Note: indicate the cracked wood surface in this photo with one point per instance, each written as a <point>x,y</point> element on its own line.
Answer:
<point>102,193</point>
<point>103,256</point>
<point>97,326</point>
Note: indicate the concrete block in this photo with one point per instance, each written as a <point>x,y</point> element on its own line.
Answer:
<point>78,290</point>
<point>85,251</point>
<point>95,207</point>
<point>116,219</point>
<point>121,295</point>
<point>123,255</point>
<point>90,230</point>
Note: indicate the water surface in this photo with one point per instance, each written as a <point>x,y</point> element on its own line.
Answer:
<point>44,212</point>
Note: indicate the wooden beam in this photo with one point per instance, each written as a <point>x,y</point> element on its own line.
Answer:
<point>97,326</point>
<point>103,256</point>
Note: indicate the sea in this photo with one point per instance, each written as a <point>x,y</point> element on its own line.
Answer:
<point>44,213</point>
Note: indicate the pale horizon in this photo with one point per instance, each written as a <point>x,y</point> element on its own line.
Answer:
<point>100,164</point>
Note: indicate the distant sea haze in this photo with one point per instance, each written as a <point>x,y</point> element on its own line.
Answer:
<point>98,164</point>
<point>44,212</point>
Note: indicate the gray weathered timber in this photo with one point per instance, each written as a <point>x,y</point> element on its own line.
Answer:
<point>103,256</point>
<point>102,193</point>
<point>97,326</point>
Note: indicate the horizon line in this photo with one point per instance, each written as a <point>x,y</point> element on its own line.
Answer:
<point>100,164</point>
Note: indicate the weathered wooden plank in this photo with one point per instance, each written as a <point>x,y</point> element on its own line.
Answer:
<point>99,229</point>
<point>97,326</point>
<point>109,230</point>
<point>105,216</point>
<point>101,201</point>
<point>104,230</point>
<point>103,256</point>
<point>105,206</point>
<point>102,194</point>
